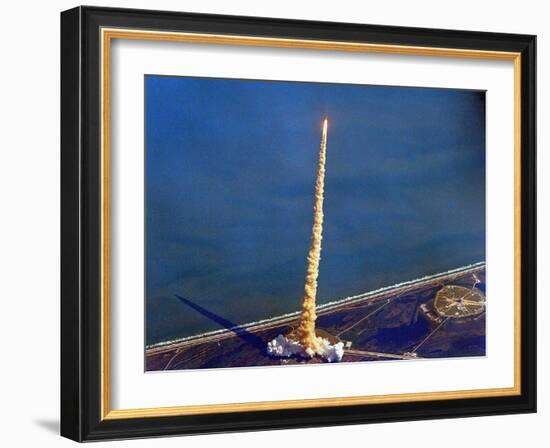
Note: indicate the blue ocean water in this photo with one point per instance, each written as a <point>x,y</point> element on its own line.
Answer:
<point>230,171</point>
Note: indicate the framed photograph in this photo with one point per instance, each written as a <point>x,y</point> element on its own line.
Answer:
<point>275,224</point>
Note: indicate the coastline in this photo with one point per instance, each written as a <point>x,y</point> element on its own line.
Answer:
<point>332,306</point>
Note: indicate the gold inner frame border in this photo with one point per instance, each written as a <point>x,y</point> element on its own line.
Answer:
<point>107,35</point>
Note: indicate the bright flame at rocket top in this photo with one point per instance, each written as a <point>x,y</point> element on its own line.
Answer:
<point>306,331</point>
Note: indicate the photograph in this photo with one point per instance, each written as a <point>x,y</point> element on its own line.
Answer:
<point>297,223</point>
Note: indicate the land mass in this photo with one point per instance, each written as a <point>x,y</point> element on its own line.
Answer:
<point>398,322</point>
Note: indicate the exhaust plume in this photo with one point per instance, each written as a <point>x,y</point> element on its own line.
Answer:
<point>304,342</point>
<point>306,331</point>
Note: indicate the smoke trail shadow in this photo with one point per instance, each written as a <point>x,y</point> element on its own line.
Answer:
<point>239,331</point>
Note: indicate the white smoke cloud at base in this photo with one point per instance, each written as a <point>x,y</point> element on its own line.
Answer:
<point>282,347</point>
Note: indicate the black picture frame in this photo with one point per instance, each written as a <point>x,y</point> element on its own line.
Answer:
<point>81,381</point>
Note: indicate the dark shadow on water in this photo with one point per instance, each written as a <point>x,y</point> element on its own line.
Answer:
<point>51,426</point>
<point>241,332</point>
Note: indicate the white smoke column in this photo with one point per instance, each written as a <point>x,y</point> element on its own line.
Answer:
<point>306,331</point>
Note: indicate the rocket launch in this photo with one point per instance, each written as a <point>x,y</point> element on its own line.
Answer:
<point>304,342</point>
<point>306,330</point>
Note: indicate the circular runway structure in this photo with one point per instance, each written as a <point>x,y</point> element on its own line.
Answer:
<point>458,302</point>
